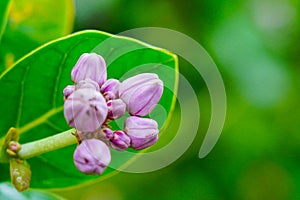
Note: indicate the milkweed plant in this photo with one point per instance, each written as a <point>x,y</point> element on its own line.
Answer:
<point>90,105</point>
<point>67,105</point>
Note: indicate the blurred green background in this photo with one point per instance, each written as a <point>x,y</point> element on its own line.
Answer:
<point>255,44</point>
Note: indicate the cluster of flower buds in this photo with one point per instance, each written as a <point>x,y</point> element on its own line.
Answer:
<point>93,101</point>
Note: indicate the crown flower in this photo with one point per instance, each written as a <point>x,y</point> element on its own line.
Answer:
<point>87,84</point>
<point>116,108</point>
<point>93,102</point>
<point>141,93</point>
<point>89,65</point>
<point>143,132</point>
<point>92,156</point>
<point>120,141</point>
<point>110,89</point>
<point>85,110</point>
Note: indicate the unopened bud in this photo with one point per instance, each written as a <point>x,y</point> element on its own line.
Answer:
<point>109,134</point>
<point>110,89</point>
<point>85,110</point>
<point>92,156</point>
<point>143,132</point>
<point>87,84</point>
<point>68,91</point>
<point>120,141</point>
<point>90,65</point>
<point>116,108</point>
<point>141,93</point>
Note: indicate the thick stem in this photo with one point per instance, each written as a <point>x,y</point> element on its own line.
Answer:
<point>48,144</point>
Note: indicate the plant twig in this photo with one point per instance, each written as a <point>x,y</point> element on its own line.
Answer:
<point>48,144</point>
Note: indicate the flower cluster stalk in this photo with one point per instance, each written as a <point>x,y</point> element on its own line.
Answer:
<point>48,144</point>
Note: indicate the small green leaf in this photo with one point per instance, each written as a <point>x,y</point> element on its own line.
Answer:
<point>11,135</point>
<point>8,192</point>
<point>32,101</point>
<point>31,23</point>
<point>20,174</point>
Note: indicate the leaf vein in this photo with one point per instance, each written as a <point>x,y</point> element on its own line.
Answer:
<point>50,124</point>
<point>57,80</point>
<point>19,112</point>
<point>40,120</point>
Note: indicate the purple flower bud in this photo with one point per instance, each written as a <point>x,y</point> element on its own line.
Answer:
<point>90,65</point>
<point>120,141</point>
<point>110,89</point>
<point>109,95</point>
<point>143,132</point>
<point>92,156</point>
<point>85,110</point>
<point>14,146</point>
<point>116,108</point>
<point>88,83</point>
<point>68,91</point>
<point>141,93</point>
<point>109,134</point>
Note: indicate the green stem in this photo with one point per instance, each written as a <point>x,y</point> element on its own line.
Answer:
<point>48,144</point>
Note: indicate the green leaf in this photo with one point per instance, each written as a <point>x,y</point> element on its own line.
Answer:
<point>20,174</point>
<point>11,135</point>
<point>31,23</point>
<point>4,6</point>
<point>32,101</point>
<point>8,192</point>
